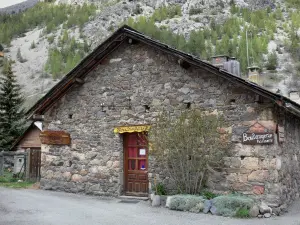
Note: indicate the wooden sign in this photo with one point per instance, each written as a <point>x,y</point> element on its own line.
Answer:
<point>51,137</point>
<point>258,138</point>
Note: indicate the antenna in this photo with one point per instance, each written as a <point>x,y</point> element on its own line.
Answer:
<point>247,47</point>
<point>252,49</point>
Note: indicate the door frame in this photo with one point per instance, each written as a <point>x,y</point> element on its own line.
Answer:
<point>125,167</point>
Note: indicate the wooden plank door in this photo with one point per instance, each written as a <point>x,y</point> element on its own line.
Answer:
<point>35,164</point>
<point>136,164</point>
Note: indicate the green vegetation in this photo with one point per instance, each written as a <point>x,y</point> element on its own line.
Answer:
<point>228,38</point>
<point>44,15</point>
<point>194,11</point>
<point>65,56</point>
<point>8,180</point>
<point>166,12</point>
<point>233,205</point>
<point>242,213</point>
<point>190,203</point>
<point>11,111</point>
<point>293,46</point>
<point>160,189</point>
<point>293,3</point>
<point>208,194</point>
<point>272,61</point>
<point>20,57</point>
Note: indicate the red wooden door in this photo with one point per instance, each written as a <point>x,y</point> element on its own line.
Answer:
<point>136,164</point>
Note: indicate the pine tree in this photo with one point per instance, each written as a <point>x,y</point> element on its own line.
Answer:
<point>11,111</point>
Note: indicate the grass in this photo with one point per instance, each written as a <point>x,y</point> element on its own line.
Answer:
<point>17,184</point>
<point>7,180</point>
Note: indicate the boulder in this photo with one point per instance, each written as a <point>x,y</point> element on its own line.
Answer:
<point>156,201</point>
<point>207,206</point>
<point>213,210</point>
<point>264,208</point>
<point>169,199</point>
<point>267,215</point>
<point>152,196</point>
<point>254,211</point>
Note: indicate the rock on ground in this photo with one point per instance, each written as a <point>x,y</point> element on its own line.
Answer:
<point>254,211</point>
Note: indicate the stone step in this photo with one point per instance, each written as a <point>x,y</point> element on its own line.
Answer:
<point>126,197</point>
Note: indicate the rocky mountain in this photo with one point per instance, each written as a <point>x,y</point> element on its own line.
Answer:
<point>49,47</point>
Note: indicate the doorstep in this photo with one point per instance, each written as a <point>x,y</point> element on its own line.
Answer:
<point>133,197</point>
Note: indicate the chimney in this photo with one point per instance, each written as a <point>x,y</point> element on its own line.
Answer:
<point>294,96</point>
<point>230,64</point>
<point>219,60</point>
<point>254,74</point>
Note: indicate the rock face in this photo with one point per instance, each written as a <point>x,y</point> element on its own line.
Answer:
<point>93,163</point>
<point>17,8</point>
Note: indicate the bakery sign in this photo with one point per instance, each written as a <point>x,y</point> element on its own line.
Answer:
<point>51,137</point>
<point>258,138</point>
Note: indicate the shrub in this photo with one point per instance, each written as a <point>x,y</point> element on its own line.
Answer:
<point>242,213</point>
<point>33,45</point>
<point>232,205</point>
<point>208,194</point>
<point>272,61</point>
<point>51,39</point>
<point>193,141</point>
<point>190,203</point>
<point>20,57</point>
<point>194,11</point>
<point>160,189</point>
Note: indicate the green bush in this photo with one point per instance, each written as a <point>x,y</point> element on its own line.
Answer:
<point>242,213</point>
<point>190,203</point>
<point>194,11</point>
<point>208,195</point>
<point>272,61</point>
<point>166,12</point>
<point>8,177</point>
<point>160,189</point>
<point>232,205</point>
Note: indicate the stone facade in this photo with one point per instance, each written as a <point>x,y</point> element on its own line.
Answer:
<point>93,163</point>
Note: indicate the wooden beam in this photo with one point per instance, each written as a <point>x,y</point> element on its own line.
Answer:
<point>38,117</point>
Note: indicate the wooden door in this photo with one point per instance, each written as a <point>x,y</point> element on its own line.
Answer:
<point>136,164</point>
<point>35,164</point>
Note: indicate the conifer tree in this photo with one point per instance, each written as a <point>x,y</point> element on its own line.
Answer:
<point>11,111</point>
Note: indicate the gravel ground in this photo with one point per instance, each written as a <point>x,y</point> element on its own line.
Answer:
<point>37,207</point>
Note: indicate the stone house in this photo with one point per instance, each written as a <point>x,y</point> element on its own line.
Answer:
<point>115,94</point>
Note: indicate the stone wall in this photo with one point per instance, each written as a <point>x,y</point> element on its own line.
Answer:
<point>93,163</point>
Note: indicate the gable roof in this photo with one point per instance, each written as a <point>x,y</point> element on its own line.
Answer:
<point>19,139</point>
<point>121,35</point>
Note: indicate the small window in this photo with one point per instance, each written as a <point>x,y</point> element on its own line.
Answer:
<point>20,160</point>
